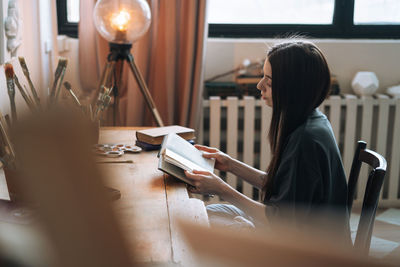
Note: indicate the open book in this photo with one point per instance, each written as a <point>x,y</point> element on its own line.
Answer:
<point>177,154</point>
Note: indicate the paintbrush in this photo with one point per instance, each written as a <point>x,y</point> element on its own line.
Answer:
<point>106,102</point>
<point>104,81</point>
<point>91,112</point>
<point>9,70</point>
<point>29,96</point>
<point>4,133</point>
<point>104,75</point>
<point>109,91</point>
<point>57,74</point>
<point>67,86</point>
<point>8,120</point>
<point>25,69</point>
<point>104,90</point>
<point>64,68</point>
<point>3,153</point>
<point>100,100</point>
<point>25,96</point>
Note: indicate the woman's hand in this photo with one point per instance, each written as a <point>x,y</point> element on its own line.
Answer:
<point>205,182</point>
<point>222,160</point>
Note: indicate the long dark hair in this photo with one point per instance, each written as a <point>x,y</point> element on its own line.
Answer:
<point>300,82</point>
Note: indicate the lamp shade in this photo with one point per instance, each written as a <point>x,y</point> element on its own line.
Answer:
<point>122,21</point>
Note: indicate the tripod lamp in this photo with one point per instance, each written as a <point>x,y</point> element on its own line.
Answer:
<point>122,22</point>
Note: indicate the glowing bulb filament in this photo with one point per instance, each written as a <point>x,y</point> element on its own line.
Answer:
<point>120,20</point>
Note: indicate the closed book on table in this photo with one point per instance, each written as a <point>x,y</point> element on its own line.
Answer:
<point>177,155</point>
<point>146,146</point>
<point>154,136</point>
<point>149,147</point>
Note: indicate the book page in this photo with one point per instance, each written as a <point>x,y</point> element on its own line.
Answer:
<point>181,162</point>
<point>173,170</point>
<point>187,151</point>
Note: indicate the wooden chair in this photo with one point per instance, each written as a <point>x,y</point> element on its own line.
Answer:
<point>372,192</point>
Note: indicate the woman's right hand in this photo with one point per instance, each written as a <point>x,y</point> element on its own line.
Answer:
<point>222,160</point>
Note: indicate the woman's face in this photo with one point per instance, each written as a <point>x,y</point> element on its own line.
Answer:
<point>264,85</point>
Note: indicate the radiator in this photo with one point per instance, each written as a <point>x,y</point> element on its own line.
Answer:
<point>239,127</point>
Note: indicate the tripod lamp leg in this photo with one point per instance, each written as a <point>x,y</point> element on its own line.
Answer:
<point>145,91</point>
<point>108,74</point>
<point>103,74</point>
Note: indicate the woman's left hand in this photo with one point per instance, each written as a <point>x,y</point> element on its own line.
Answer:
<point>205,182</point>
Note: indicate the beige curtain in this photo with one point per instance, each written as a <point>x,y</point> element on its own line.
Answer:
<point>170,57</point>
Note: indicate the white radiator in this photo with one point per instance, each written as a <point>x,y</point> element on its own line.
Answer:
<point>239,127</point>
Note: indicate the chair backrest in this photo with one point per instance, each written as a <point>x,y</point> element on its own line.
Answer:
<point>371,197</point>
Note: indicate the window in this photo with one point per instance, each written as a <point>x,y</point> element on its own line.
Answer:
<point>271,12</point>
<point>315,18</point>
<point>68,17</point>
<point>384,12</point>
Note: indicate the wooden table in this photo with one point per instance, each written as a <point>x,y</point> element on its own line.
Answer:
<point>150,203</point>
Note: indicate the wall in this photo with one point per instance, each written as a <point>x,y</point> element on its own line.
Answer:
<point>345,58</point>
<point>38,31</point>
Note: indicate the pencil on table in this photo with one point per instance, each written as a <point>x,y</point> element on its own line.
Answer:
<point>115,161</point>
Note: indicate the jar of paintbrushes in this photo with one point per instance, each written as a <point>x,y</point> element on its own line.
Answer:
<point>93,111</point>
<point>7,154</point>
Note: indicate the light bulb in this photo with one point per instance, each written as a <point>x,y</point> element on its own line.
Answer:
<point>122,21</point>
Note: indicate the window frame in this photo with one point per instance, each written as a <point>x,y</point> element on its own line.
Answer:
<point>342,27</point>
<point>65,27</point>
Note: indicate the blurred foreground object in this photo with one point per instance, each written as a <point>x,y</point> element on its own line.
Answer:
<point>278,246</point>
<point>22,245</point>
<point>58,174</point>
<point>365,83</point>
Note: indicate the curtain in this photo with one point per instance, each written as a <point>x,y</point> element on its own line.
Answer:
<point>170,57</point>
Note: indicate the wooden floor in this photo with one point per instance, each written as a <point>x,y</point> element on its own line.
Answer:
<point>385,242</point>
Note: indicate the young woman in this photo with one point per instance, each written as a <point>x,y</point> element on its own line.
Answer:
<point>305,176</point>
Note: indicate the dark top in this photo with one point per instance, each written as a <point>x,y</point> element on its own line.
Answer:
<point>310,181</point>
